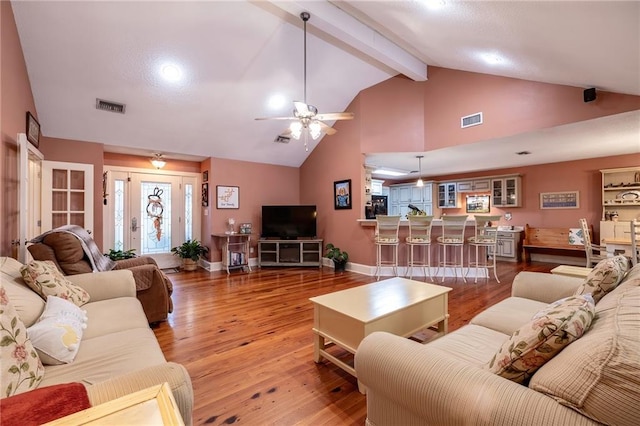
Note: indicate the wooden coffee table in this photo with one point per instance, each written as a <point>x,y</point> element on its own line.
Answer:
<point>396,305</point>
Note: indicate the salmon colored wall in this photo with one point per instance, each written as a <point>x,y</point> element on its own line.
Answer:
<point>16,99</point>
<point>73,151</point>
<point>392,116</point>
<point>140,162</point>
<point>394,110</point>
<point>260,184</point>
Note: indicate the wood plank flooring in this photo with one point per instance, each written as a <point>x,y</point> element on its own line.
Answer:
<point>246,341</point>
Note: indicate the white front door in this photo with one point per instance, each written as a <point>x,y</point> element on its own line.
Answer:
<point>150,213</point>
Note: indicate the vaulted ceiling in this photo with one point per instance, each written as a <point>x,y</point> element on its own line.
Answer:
<point>236,57</point>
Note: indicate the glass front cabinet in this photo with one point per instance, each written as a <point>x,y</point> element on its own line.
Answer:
<point>505,192</point>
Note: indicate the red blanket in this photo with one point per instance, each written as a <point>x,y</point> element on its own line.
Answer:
<point>43,405</point>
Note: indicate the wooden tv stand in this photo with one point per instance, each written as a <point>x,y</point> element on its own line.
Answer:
<point>303,252</point>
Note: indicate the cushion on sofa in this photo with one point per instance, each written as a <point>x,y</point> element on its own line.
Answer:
<point>548,332</point>
<point>57,334</point>
<point>604,277</point>
<point>26,302</point>
<point>508,315</point>
<point>21,368</point>
<point>45,279</point>
<point>103,322</point>
<point>472,344</point>
<point>599,375</point>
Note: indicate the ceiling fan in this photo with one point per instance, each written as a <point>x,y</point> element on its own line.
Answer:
<point>305,116</point>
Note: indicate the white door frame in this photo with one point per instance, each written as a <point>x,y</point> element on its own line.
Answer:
<point>30,191</point>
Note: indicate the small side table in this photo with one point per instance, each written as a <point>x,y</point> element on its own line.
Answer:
<point>235,250</point>
<point>571,271</point>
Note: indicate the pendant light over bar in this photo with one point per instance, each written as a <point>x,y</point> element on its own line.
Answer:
<point>419,183</point>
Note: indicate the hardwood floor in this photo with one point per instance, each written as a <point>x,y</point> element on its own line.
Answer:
<point>246,341</point>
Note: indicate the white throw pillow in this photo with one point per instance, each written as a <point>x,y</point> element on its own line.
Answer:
<point>57,333</point>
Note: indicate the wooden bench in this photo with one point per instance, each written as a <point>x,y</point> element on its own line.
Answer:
<point>549,240</point>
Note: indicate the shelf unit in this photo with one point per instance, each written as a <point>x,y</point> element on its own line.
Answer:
<point>290,252</point>
<point>235,251</point>
<point>621,196</point>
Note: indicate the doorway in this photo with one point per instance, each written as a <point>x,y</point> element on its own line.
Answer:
<point>150,212</point>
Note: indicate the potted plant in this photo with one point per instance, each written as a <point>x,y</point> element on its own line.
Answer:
<point>121,254</point>
<point>338,256</point>
<point>190,252</point>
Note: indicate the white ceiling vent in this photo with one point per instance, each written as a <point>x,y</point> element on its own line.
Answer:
<point>282,139</point>
<point>110,106</point>
<point>471,120</point>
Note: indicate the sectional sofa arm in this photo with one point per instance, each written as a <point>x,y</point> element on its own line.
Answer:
<point>544,287</point>
<point>174,374</point>
<point>106,285</point>
<point>411,383</point>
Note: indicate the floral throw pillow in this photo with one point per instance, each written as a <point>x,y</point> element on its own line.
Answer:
<point>43,277</point>
<point>548,332</point>
<point>604,277</point>
<point>21,368</point>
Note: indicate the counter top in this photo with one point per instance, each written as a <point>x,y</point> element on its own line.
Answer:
<point>405,222</point>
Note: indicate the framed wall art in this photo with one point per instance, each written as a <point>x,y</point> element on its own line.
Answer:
<point>205,176</point>
<point>478,203</point>
<point>560,200</point>
<point>205,195</point>
<point>227,197</point>
<point>342,194</point>
<point>33,130</point>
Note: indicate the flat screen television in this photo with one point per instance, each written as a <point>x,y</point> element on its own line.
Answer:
<point>288,222</point>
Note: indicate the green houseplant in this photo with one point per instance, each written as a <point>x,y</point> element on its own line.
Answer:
<point>190,252</point>
<point>338,256</point>
<point>121,254</point>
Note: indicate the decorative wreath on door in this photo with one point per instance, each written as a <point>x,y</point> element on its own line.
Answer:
<point>155,210</point>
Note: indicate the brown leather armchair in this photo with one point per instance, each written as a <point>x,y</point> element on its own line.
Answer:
<point>153,288</point>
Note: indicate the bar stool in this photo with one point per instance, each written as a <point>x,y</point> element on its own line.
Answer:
<point>486,237</point>
<point>419,237</point>
<point>453,227</point>
<point>387,236</point>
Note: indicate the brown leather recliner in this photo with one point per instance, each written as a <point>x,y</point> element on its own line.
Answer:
<point>153,288</point>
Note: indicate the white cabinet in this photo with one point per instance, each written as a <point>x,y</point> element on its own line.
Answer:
<point>481,185</point>
<point>621,194</point>
<point>447,195</point>
<point>400,196</point>
<point>505,192</point>
<point>376,186</point>
<point>509,245</point>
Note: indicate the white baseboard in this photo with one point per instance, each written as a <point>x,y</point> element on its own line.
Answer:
<point>403,271</point>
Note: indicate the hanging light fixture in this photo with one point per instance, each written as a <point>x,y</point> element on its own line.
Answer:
<point>158,161</point>
<point>419,183</point>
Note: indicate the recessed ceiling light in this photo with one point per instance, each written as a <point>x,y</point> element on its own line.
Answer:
<point>494,59</point>
<point>171,72</point>
<point>276,101</point>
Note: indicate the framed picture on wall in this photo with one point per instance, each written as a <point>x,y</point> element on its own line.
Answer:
<point>227,197</point>
<point>33,130</point>
<point>205,176</point>
<point>342,194</point>
<point>205,195</point>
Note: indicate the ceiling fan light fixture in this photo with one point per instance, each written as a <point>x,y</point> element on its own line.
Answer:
<point>296,129</point>
<point>315,130</point>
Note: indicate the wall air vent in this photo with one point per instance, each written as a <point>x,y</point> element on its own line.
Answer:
<point>110,106</point>
<point>282,139</point>
<point>471,120</point>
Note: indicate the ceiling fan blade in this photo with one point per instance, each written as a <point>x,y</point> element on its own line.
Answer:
<point>276,118</point>
<point>327,129</point>
<point>329,116</point>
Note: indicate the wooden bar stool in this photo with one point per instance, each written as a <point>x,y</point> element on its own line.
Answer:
<point>453,227</point>
<point>420,238</point>
<point>387,236</point>
<point>486,237</point>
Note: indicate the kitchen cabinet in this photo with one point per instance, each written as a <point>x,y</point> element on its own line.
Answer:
<point>376,186</point>
<point>505,192</point>
<point>509,246</point>
<point>480,185</point>
<point>448,195</point>
<point>401,195</point>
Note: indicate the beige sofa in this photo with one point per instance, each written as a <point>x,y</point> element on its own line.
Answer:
<point>118,353</point>
<point>594,380</point>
